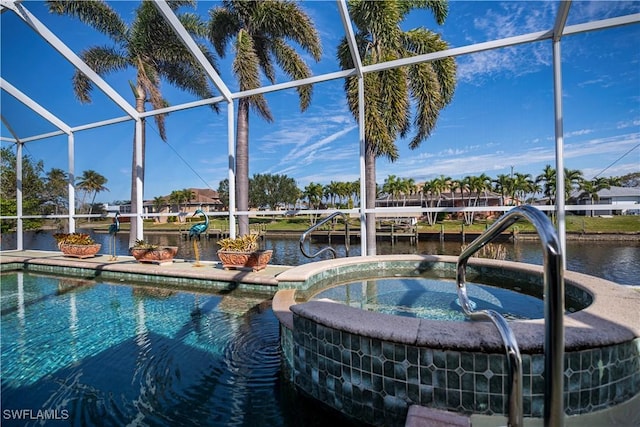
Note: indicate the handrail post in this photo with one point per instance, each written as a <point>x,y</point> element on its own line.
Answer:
<point>553,302</point>
<point>328,248</point>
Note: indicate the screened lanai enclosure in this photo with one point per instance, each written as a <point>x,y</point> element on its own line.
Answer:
<point>537,43</point>
<point>146,98</point>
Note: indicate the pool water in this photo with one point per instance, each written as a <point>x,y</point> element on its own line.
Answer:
<point>431,298</point>
<point>94,354</point>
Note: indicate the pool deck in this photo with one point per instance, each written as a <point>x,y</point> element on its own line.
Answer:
<point>185,270</point>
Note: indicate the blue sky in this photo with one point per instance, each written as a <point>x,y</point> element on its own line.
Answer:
<point>501,116</point>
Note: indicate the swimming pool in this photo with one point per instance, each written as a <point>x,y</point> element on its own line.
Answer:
<point>86,352</point>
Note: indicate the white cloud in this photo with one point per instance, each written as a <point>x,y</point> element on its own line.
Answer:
<point>584,11</point>
<point>578,133</point>
<point>622,125</point>
<point>509,19</point>
<point>527,161</point>
<point>303,150</point>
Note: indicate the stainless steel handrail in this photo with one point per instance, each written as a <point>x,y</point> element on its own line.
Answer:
<point>328,248</point>
<point>553,314</point>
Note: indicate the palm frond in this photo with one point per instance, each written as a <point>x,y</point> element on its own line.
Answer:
<point>223,26</point>
<point>245,65</point>
<point>440,8</point>
<point>378,137</point>
<point>344,55</point>
<point>285,19</point>
<point>193,24</point>
<point>394,100</point>
<point>421,41</point>
<point>291,63</point>
<point>102,59</point>
<point>247,71</point>
<point>176,4</point>
<point>380,20</point>
<point>425,89</point>
<point>148,78</point>
<point>263,50</point>
<point>96,14</point>
<point>188,76</point>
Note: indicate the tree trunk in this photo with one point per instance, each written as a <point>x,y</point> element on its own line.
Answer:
<point>242,166</point>
<point>370,185</point>
<point>140,97</point>
<point>93,200</point>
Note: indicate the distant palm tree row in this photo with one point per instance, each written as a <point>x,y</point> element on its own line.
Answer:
<point>176,198</point>
<point>514,189</point>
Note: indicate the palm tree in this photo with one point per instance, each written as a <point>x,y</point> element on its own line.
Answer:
<point>475,185</point>
<point>55,188</point>
<point>503,184</point>
<point>407,188</point>
<point>260,32</point>
<point>522,184</point>
<point>390,187</point>
<point>158,203</point>
<point>92,182</point>
<point>149,46</point>
<point>435,188</point>
<point>616,181</point>
<point>353,192</point>
<point>176,198</point>
<point>467,184</point>
<point>313,192</point>
<point>391,95</point>
<point>454,185</point>
<point>188,195</point>
<point>548,180</point>
<point>591,188</point>
<point>343,191</point>
<point>331,190</point>
<point>484,185</point>
<point>572,180</point>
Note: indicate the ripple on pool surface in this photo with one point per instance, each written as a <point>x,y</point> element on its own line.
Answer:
<point>427,298</point>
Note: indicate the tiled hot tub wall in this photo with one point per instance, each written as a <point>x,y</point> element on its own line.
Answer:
<point>376,381</point>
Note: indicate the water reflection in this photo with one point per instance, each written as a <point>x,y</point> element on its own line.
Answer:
<point>618,261</point>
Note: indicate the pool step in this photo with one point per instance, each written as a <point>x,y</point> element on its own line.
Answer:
<point>420,416</point>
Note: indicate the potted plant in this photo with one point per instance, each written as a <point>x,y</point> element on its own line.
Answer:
<point>243,252</point>
<point>77,245</point>
<point>146,252</point>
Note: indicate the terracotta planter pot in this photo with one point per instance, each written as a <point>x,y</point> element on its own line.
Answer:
<point>162,255</point>
<point>256,260</point>
<point>79,251</point>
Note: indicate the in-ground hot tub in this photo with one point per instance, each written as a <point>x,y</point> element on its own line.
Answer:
<point>372,366</point>
<point>437,298</point>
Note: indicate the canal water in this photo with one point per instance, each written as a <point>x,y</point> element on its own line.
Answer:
<point>618,261</point>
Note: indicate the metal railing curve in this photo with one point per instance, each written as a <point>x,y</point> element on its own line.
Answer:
<point>553,314</point>
<point>328,248</point>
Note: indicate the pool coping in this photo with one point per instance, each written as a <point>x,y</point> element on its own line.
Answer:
<point>183,273</point>
<point>612,318</point>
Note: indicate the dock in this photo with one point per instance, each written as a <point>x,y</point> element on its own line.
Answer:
<point>219,233</point>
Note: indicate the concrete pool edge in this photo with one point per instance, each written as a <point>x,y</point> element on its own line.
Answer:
<point>181,273</point>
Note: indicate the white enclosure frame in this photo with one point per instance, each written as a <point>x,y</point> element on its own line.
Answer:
<point>554,34</point>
